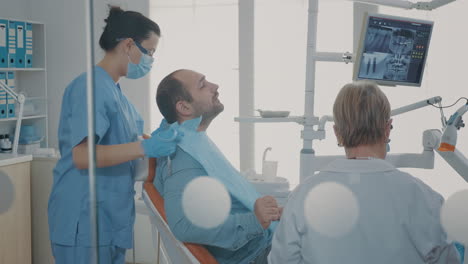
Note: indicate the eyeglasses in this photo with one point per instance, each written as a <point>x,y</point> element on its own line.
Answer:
<point>143,50</point>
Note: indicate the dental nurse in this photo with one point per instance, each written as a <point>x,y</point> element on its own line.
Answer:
<point>129,41</point>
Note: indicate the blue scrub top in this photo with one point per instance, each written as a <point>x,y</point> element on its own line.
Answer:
<point>117,122</point>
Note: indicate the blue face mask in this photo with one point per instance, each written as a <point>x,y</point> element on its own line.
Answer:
<point>135,71</point>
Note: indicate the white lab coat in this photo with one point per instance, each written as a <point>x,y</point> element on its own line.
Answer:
<point>398,220</point>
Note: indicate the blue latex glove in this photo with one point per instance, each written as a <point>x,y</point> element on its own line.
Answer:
<point>163,142</point>
<point>461,250</point>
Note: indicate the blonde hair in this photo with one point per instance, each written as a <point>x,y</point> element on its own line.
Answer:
<point>361,112</point>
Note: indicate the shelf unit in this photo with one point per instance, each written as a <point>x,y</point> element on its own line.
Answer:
<point>22,69</point>
<point>259,119</point>
<point>32,82</point>
<point>24,118</point>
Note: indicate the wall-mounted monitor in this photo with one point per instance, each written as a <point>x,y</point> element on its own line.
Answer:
<point>392,50</point>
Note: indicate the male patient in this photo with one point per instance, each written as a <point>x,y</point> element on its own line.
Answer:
<point>245,237</point>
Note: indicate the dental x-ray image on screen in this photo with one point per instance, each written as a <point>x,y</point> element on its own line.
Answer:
<point>393,50</point>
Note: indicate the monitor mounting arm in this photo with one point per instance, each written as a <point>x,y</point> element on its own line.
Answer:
<point>430,5</point>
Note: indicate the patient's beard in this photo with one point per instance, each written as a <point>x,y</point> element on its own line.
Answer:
<point>207,118</point>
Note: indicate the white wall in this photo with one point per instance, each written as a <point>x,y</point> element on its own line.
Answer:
<point>280,60</point>
<point>66,46</point>
<point>445,76</point>
<point>202,35</point>
<point>17,9</point>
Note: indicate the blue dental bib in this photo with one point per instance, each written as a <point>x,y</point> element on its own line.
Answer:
<point>198,145</point>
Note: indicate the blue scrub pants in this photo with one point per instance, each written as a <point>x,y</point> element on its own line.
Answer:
<point>262,258</point>
<point>82,255</point>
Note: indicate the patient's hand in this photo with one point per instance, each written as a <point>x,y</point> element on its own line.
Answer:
<point>267,210</point>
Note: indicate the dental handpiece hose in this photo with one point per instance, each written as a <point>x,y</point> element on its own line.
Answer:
<point>449,137</point>
<point>420,104</point>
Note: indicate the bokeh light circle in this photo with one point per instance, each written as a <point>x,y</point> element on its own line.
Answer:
<point>454,216</point>
<point>206,202</point>
<point>331,209</point>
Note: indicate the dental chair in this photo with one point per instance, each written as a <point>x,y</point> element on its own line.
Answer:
<point>176,252</point>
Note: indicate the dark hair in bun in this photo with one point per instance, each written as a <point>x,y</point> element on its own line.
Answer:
<point>126,24</point>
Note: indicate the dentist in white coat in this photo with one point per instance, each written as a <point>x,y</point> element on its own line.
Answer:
<point>398,215</point>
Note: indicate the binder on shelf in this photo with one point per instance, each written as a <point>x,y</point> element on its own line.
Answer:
<point>10,101</point>
<point>3,97</point>
<point>29,45</point>
<point>3,43</point>
<point>20,44</point>
<point>11,44</point>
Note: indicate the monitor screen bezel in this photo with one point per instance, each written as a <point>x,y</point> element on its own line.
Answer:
<point>360,49</point>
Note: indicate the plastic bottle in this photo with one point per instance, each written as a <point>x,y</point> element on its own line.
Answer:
<point>6,147</point>
<point>2,142</point>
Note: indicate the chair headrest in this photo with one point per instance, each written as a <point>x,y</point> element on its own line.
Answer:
<point>151,169</point>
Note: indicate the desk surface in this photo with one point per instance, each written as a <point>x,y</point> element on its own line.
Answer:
<point>10,159</point>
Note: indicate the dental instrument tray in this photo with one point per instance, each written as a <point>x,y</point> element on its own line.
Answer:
<point>272,114</point>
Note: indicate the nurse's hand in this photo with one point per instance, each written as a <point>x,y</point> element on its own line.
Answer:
<point>162,143</point>
<point>266,210</point>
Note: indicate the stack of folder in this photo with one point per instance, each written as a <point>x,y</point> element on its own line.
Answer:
<point>3,97</point>
<point>16,44</point>
<point>7,103</point>
<point>10,81</point>
<point>16,51</point>
<point>3,43</point>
